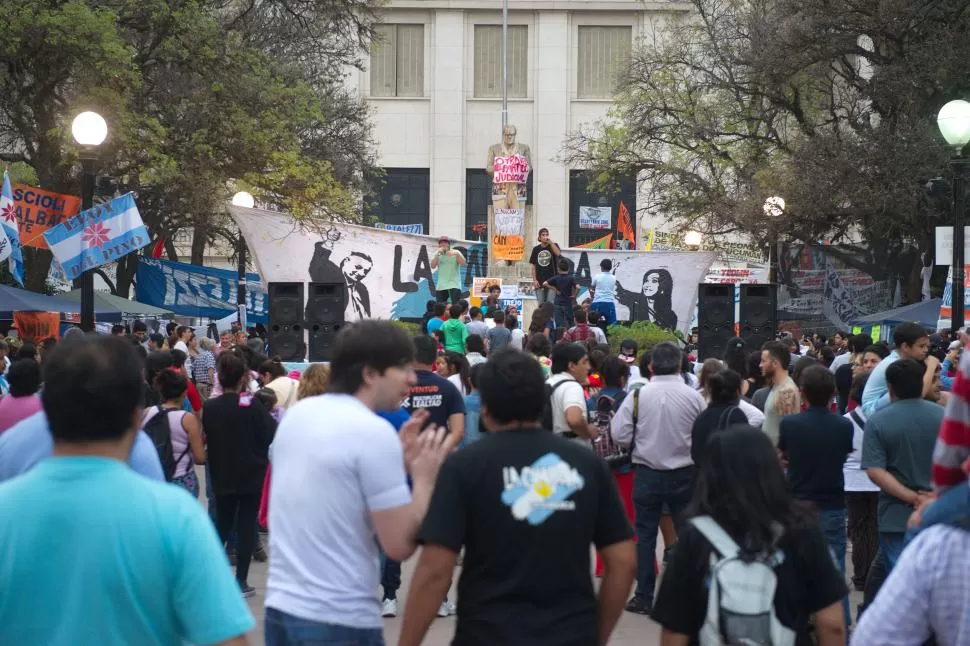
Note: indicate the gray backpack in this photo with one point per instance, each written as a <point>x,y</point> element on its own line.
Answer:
<point>741,595</point>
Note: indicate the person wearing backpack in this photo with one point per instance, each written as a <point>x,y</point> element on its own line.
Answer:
<point>177,434</point>
<point>751,565</point>
<point>565,411</point>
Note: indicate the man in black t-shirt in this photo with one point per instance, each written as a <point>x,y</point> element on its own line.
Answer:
<point>433,392</point>
<point>525,505</point>
<point>543,261</point>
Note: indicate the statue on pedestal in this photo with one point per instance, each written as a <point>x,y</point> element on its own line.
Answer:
<point>515,162</point>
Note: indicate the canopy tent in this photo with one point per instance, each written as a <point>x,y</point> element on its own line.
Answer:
<point>13,299</point>
<point>120,304</point>
<point>926,313</point>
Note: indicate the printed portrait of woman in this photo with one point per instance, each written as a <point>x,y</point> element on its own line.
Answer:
<point>652,302</point>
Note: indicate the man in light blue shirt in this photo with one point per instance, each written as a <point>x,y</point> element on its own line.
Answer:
<point>153,572</point>
<point>912,342</point>
<point>30,441</point>
<point>603,289</point>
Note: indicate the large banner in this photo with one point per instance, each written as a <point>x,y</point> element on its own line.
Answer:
<point>191,290</point>
<point>387,274</point>
<point>38,210</point>
<point>658,286</point>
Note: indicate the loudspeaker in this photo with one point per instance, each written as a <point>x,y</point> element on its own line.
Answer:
<point>715,319</point>
<point>286,321</point>
<point>759,314</point>
<point>325,317</point>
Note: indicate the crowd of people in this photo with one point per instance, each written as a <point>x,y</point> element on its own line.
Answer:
<point>504,451</point>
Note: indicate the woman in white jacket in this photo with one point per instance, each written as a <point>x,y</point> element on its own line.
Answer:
<point>273,375</point>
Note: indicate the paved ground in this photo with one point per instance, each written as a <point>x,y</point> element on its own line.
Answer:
<point>631,630</point>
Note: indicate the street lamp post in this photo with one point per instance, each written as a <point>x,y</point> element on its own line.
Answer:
<point>89,130</point>
<point>774,208</point>
<point>954,123</point>
<point>245,200</point>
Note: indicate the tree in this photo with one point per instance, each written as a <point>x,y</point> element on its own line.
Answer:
<point>829,103</point>
<point>197,94</point>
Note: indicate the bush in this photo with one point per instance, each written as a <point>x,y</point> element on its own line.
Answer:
<point>645,333</point>
<point>413,329</point>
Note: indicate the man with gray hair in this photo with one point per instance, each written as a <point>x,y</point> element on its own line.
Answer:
<point>656,421</point>
<point>204,367</point>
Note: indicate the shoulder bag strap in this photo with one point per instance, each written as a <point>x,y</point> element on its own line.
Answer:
<point>723,543</point>
<point>725,419</point>
<point>861,423</point>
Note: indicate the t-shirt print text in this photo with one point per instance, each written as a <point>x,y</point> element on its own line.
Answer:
<point>537,491</point>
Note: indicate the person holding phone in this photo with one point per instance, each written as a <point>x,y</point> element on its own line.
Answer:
<point>448,281</point>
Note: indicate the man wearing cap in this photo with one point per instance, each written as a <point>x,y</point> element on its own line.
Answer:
<point>543,261</point>
<point>448,282</point>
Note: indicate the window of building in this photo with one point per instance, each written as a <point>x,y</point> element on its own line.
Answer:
<point>488,60</point>
<point>603,54</point>
<point>593,216</point>
<point>401,200</point>
<point>397,61</point>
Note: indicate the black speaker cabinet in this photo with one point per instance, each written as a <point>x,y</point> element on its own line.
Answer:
<point>759,314</point>
<point>286,321</point>
<point>325,317</point>
<point>715,319</point>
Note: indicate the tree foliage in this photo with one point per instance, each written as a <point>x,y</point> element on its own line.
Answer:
<point>830,104</point>
<point>199,95</point>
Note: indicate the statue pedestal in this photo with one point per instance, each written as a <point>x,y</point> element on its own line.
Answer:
<point>514,272</point>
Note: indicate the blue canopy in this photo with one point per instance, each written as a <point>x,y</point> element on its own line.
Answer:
<point>927,313</point>
<point>13,299</point>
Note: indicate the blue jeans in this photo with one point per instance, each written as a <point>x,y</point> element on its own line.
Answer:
<point>833,527</point>
<point>390,577</point>
<point>564,316</point>
<point>281,629</point>
<point>891,545</point>
<point>651,490</point>
<point>606,310</point>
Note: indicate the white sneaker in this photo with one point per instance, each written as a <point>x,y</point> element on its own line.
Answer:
<point>389,608</point>
<point>445,609</point>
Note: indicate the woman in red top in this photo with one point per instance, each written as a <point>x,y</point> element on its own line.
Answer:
<point>192,394</point>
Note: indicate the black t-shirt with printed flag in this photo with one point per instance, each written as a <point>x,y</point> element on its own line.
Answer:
<point>526,505</point>
<point>437,395</point>
<point>544,260</point>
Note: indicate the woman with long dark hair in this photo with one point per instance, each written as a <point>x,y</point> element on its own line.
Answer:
<point>653,301</point>
<point>736,359</point>
<point>742,489</point>
<point>459,372</point>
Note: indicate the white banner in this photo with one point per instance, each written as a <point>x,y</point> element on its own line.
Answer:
<point>387,274</point>
<point>510,222</point>
<point>595,217</point>
<point>653,286</point>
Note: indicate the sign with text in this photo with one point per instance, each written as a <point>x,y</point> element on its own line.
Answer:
<point>595,217</point>
<point>513,169</point>
<point>416,229</point>
<point>944,245</point>
<point>508,242</point>
<point>37,326</point>
<point>38,210</point>
<point>191,290</point>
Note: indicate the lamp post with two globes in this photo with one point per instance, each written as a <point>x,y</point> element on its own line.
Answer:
<point>89,130</point>
<point>954,124</point>
<point>247,201</point>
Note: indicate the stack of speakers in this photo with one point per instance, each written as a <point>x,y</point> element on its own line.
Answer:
<point>758,317</point>
<point>289,320</point>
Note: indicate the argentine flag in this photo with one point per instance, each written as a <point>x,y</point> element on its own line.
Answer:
<point>9,233</point>
<point>97,236</point>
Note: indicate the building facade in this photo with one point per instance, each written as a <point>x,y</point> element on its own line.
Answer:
<point>434,82</point>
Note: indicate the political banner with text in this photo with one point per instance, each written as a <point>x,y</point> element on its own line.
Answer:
<point>513,169</point>
<point>657,286</point>
<point>508,241</point>
<point>38,210</point>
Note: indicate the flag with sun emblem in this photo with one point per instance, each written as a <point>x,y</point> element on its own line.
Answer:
<point>9,233</point>
<point>98,236</point>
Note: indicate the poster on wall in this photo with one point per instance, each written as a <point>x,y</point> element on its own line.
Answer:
<point>508,243</point>
<point>387,274</point>
<point>660,287</point>
<point>595,217</point>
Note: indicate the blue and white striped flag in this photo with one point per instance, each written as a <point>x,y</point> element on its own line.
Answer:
<point>97,236</point>
<point>8,223</point>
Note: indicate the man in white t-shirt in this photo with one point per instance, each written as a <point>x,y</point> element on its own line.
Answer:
<point>570,369</point>
<point>603,289</point>
<point>338,480</point>
<point>184,333</point>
